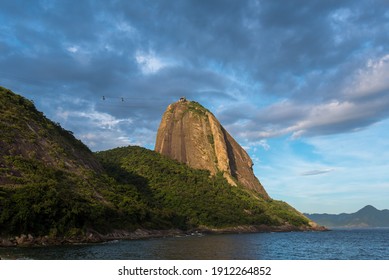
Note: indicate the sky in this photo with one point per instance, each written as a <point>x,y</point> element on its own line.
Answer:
<point>302,85</point>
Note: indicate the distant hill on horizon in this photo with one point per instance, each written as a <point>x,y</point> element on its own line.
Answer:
<point>368,216</point>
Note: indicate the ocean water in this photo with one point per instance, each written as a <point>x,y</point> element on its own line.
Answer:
<point>356,244</point>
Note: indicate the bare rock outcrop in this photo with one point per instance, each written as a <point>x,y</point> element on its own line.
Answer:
<point>191,134</point>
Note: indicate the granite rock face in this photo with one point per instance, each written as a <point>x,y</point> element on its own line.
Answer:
<point>191,134</point>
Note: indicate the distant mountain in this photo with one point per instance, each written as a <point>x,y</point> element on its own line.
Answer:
<point>368,216</point>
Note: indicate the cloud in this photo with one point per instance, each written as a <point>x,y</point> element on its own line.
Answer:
<point>316,172</point>
<point>260,64</point>
<point>102,131</point>
<point>362,99</point>
<point>102,119</point>
<point>370,80</point>
<point>149,62</point>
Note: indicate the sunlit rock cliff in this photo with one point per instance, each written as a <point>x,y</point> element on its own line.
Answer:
<point>191,134</point>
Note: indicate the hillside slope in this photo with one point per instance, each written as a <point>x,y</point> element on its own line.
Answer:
<point>195,197</point>
<point>52,184</point>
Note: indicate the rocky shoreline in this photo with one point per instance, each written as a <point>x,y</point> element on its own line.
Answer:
<point>28,240</point>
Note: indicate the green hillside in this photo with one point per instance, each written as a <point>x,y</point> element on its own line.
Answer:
<point>197,198</point>
<point>52,184</point>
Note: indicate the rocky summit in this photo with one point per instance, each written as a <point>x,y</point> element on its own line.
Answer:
<point>191,134</point>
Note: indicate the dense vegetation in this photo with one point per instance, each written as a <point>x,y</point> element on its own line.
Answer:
<point>51,184</point>
<point>193,195</point>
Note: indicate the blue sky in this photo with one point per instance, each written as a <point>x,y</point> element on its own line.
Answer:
<point>303,85</point>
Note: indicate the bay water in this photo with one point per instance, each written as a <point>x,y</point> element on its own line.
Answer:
<point>353,244</point>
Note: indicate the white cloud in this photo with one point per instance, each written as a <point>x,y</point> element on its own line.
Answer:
<point>330,117</point>
<point>149,63</point>
<point>371,80</point>
<point>81,53</point>
<point>72,49</point>
<point>126,28</point>
<point>92,117</point>
<point>62,114</point>
<point>308,118</point>
<point>96,129</point>
<point>261,143</point>
<point>102,140</point>
<point>103,120</point>
<point>327,114</point>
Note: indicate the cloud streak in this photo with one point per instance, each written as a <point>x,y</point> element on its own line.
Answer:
<point>316,172</point>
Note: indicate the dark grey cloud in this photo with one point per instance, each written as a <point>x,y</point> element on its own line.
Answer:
<point>299,56</point>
